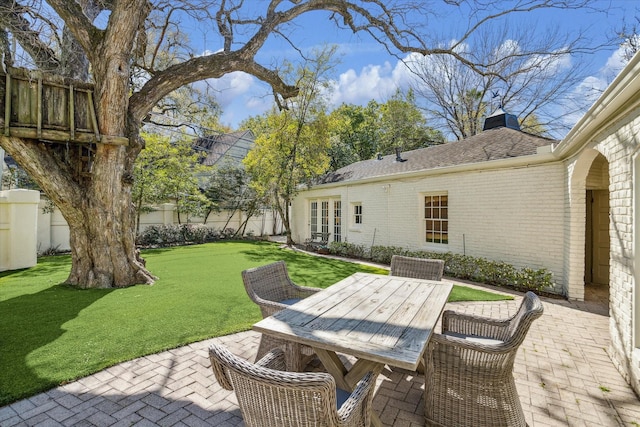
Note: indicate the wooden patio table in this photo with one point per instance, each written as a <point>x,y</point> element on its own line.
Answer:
<point>379,319</point>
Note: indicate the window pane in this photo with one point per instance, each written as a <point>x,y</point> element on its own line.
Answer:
<point>436,214</point>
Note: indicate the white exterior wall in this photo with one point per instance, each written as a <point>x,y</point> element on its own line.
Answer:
<point>619,144</point>
<point>515,215</point>
<point>611,128</point>
<point>18,229</point>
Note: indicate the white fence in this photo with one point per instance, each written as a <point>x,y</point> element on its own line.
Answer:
<point>53,231</point>
<point>27,229</point>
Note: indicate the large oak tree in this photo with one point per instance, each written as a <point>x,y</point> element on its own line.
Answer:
<point>106,42</point>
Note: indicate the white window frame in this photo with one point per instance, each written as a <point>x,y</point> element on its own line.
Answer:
<point>337,220</point>
<point>435,218</point>
<point>357,218</point>
<point>327,218</point>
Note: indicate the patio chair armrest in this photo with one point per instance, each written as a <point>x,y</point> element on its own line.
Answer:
<point>358,406</point>
<point>451,343</point>
<point>268,308</point>
<point>219,373</point>
<point>274,359</point>
<point>306,291</point>
<point>470,324</point>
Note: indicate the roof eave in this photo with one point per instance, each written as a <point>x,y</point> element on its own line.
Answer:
<point>520,161</point>
<point>620,97</point>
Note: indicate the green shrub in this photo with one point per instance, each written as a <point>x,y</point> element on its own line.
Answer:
<point>177,234</point>
<point>348,250</point>
<point>383,254</point>
<point>198,233</point>
<point>465,267</point>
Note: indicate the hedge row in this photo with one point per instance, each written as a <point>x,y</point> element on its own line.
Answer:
<point>180,234</point>
<point>456,265</point>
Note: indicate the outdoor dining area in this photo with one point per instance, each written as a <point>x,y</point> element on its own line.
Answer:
<point>563,374</point>
<point>361,326</point>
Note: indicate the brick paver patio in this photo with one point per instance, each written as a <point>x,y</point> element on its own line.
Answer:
<point>563,374</point>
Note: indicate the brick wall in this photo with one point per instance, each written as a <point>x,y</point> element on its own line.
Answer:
<point>619,143</point>
<point>514,215</point>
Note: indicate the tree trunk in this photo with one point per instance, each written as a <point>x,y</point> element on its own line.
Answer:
<point>103,253</point>
<point>99,211</point>
<point>283,209</point>
<point>103,233</point>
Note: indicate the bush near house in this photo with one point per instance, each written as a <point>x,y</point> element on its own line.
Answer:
<point>456,265</point>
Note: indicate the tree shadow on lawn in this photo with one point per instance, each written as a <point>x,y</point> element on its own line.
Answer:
<point>45,266</point>
<point>29,323</point>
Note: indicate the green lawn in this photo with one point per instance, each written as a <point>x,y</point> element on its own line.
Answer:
<point>51,333</point>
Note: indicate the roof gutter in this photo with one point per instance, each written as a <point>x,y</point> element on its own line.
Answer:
<point>545,155</point>
<point>620,97</point>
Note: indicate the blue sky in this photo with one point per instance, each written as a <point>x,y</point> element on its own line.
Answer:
<point>368,72</point>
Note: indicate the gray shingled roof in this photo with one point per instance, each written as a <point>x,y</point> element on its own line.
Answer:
<point>217,146</point>
<point>493,144</point>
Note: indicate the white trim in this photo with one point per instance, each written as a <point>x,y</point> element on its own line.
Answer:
<point>620,97</point>
<point>514,162</point>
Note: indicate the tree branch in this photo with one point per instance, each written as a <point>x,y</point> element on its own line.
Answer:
<point>85,33</point>
<point>11,18</point>
<point>201,68</point>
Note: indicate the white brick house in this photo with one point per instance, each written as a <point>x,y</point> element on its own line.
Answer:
<point>569,206</point>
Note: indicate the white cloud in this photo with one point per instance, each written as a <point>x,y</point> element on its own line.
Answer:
<point>377,82</point>
<point>231,86</point>
<point>240,96</point>
<point>591,88</point>
<point>614,65</point>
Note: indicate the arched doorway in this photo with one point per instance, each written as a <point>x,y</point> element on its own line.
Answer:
<point>597,240</point>
<point>588,262</point>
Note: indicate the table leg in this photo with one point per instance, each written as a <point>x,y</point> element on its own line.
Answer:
<point>345,379</point>
<point>335,367</point>
<point>292,357</point>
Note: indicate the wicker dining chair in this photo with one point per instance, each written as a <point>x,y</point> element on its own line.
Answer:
<point>417,268</point>
<point>469,368</point>
<point>271,288</point>
<point>270,397</point>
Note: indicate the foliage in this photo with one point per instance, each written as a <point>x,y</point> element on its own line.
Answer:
<point>15,177</point>
<point>456,265</point>
<point>358,133</point>
<point>137,56</point>
<point>291,145</point>
<point>402,125</point>
<point>229,190</point>
<point>354,134</point>
<point>178,234</point>
<point>166,171</point>
<point>349,250</point>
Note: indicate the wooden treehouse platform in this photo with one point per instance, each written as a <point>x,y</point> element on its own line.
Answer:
<point>50,108</point>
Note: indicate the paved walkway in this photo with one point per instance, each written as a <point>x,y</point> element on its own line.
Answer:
<point>563,374</point>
